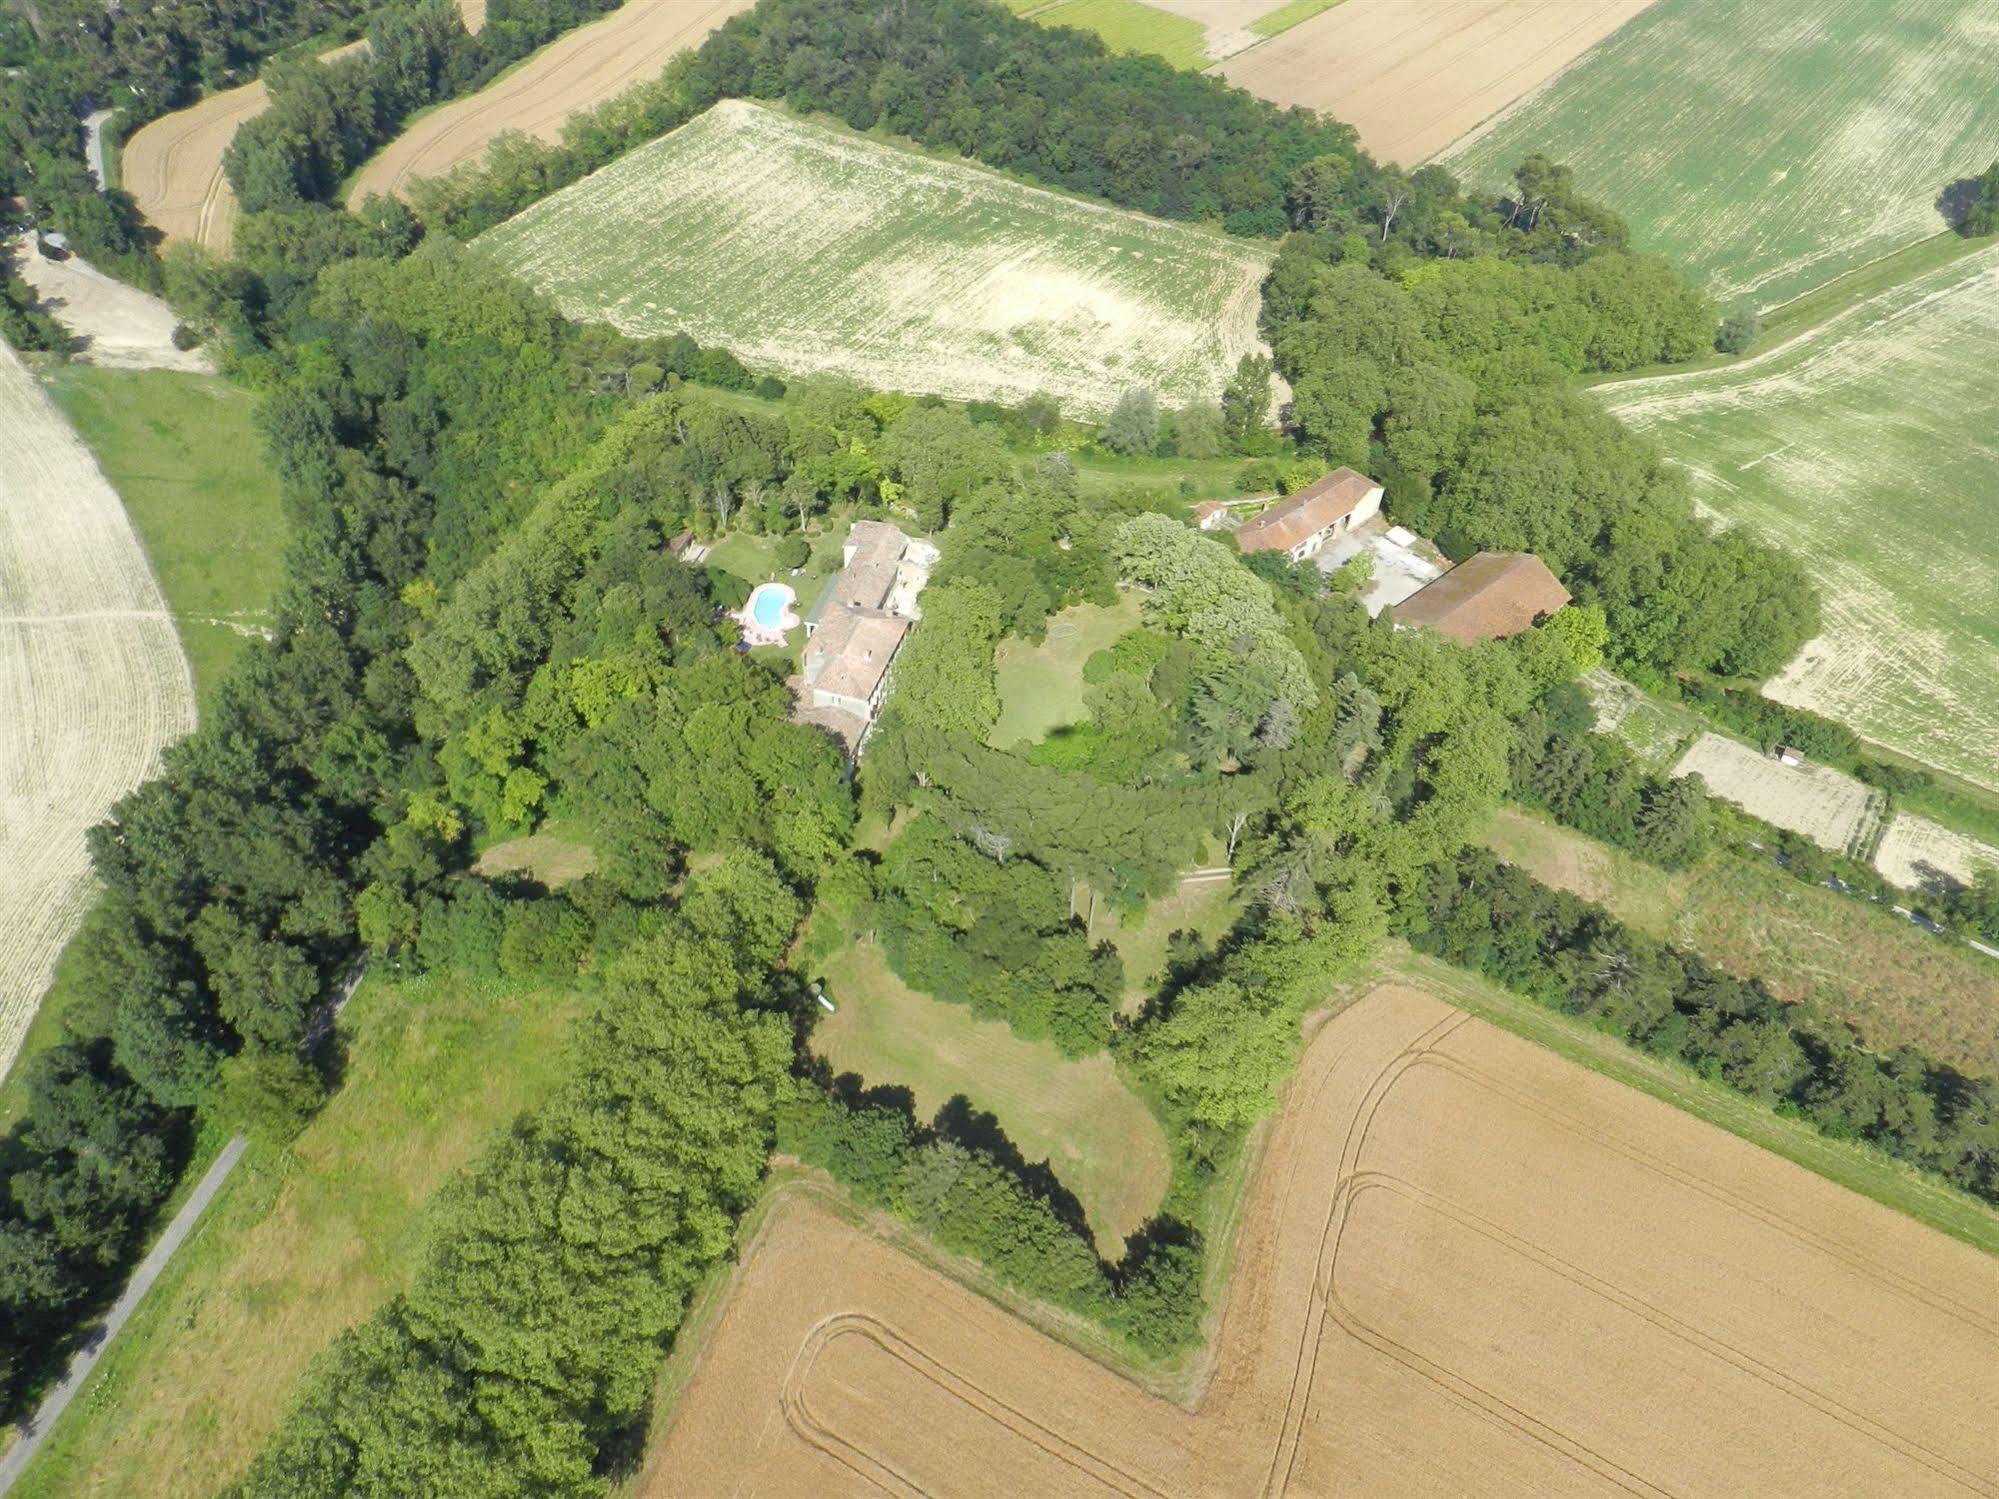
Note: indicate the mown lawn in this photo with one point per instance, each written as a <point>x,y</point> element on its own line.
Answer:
<point>1209,907</point>
<point>1894,983</point>
<point>1041,686</point>
<point>1101,1142</point>
<point>184,454</point>
<point>305,1242</point>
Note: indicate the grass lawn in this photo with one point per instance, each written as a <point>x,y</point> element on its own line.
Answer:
<point>808,248</point>
<point>184,454</point>
<point>554,856</point>
<point>1768,149</point>
<point>1128,26</point>
<point>1861,449</point>
<point>1855,1167</point>
<point>1199,478</point>
<point>306,1242</point>
<point>1101,1142</point>
<point>1892,982</point>
<point>1041,686</point>
<point>1209,907</point>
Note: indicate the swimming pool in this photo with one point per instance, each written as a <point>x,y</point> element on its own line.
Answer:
<point>767,608</point>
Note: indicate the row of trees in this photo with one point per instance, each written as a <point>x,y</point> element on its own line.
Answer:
<point>1573,955</point>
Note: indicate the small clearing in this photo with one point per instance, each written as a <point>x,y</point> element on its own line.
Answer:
<point>1768,147</point>
<point>1413,76</point>
<point>93,684</point>
<point>1041,683</point>
<point>570,76</point>
<point>806,248</point>
<point>1825,805</point>
<point>1466,1266</point>
<point>1918,854</point>
<point>1076,1115</point>
<point>547,858</point>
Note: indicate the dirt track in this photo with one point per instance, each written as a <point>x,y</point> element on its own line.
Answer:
<point>172,167</point>
<point>1467,1267</point>
<point>1414,76</point>
<point>576,72</point>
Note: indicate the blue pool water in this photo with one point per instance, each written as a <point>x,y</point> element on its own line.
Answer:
<point>767,607</point>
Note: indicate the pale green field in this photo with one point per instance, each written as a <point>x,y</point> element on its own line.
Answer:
<point>804,247</point>
<point>1868,448</point>
<point>1769,145</point>
<point>1129,26</point>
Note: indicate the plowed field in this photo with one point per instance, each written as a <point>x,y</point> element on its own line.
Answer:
<point>92,682</point>
<point>575,73</point>
<point>1467,1267</point>
<point>1413,76</point>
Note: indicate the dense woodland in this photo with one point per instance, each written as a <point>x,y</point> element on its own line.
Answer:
<point>480,628</point>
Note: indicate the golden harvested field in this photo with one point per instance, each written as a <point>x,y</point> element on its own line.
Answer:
<point>1415,76</point>
<point>572,74</point>
<point>1467,1267</point>
<point>172,166</point>
<point>93,684</point>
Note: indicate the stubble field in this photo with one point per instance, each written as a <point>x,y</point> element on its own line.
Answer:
<point>1866,447</point>
<point>1467,1266</point>
<point>1413,76</point>
<point>571,75</point>
<point>1827,806</point>
<point>92,682</point>
<point>1918,854</point>
<point>806,249</point>
<point>1768,145</point>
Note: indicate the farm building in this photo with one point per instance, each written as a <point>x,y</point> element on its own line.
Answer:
<point>855,628</point>
<point>1489,596</point>
<point>1300,525</point>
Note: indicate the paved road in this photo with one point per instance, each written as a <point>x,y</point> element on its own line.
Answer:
<point>37,1428</point>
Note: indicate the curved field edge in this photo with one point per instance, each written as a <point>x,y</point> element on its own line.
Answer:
<point>1861,447</point>
<point>1181,1379</point>
<point>571,75</point>
<point>756,1411</point>
<point>807,248</point>
<point>1767,150</point>
<point>93,682</point>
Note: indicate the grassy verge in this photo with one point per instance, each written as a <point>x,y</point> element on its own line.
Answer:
<point>1286,16</point>
<point>184,454</point>
<point>1855,1167</point>
<point>1127,26</point>
<point>1892,982</point>
<point>306,1241</point>
<point>1041,686</point>
<point>1098,1138</point>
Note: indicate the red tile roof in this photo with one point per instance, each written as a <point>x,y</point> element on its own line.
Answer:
<point>1306,513</point>
<point>1486,597</point>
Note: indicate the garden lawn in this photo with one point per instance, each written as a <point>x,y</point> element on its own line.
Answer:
<point>1768,145</point>
<point>184,454</point>
<point>1894,983</point>
<point>1100,1141</point>
<point>305,1242</point>
<point>1867,448</point>
<point>1207,906</point>
<point>1041,686</point>
<point>805,248</point>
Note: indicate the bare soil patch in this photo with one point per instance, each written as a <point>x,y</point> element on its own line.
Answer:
<point>575,73</point>
<point>93,684</point>
<point>1415,76</point>
<point>1467,1266</point>
<point>1827,806</point>
<point>1918,854</point>
<point>122,327</point>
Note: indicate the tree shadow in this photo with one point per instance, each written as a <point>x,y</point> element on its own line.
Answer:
<point>1955,202</point>
<point>982,1134</point>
